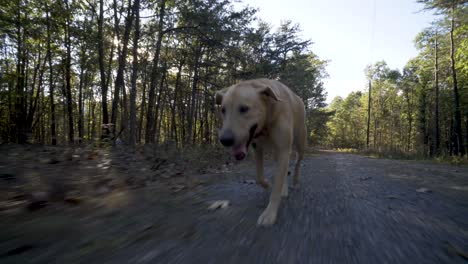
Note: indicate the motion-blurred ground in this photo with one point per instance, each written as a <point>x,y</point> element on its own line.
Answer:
<point>112,205</point>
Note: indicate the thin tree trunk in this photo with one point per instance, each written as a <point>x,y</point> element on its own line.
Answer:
<point>142,109</point>
<point>162,106</point>
<point>53,133</point>
<point>174,103</point>
<point>80,104</point>
<point>375,131</point>
<point>149,135</point>
<point>40,92</point>
<point>458,137</point>
<point>423,119</point>
<point>182,110</point>
<point>17,116</point>
<point>436,139</point>
<point>43,120</point>
<point>90,114</point>
<point>71,134</point>
<point>158,106</point>
<point>193,99</point>
<point>133,91</point>
<point>35,99</point>
<point>410,128</point>
<point>207,104</point>
<point>102,71</point>
<point>368,114</point>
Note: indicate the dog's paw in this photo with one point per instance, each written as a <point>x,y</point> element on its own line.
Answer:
<point>267,218</point>
<point>264,184</point>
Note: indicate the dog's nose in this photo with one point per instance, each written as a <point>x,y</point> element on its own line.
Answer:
<point>227,138</point>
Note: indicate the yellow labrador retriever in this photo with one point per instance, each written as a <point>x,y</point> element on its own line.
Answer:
<point>269,114</point>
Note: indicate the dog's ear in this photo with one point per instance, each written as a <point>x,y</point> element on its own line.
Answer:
<point>270,92</point>
<point>219,95</point>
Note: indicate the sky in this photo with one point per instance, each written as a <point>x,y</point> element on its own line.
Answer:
<point>342,33</point>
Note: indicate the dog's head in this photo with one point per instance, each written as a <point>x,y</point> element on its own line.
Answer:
<point>244,108</point>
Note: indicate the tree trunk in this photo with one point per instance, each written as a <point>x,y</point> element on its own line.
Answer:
<point>105,114</point>
<point>71,134</point>
<point>119,81</point>
<point>43,118</point>
<point>18,116</point>
<point>207,104</point>
<point>193,99</point>
<point>175,98</point>
<point>368,113</point>
<point>410,130</point>
<point>53,133</point>
<point>80,97</point>
<point>149,136</point>
<point>161,106</point>
<point>34,99</point>
<point>133,91</point>
<point>183,114</point>
<point>34,106</point>
<point>458,136</point>
<point>158,106</point>
<point>436,140</point>
<point>142,108</point>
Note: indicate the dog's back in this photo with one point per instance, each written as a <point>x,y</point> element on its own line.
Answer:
<point>293,110</point>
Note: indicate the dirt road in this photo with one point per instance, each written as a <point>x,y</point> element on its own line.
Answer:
<point>349,209</point>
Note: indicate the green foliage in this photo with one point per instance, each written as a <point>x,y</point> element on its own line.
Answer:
<point>403,106</point>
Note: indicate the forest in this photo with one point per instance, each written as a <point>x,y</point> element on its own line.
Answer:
<point>139,71</point>
<point>420,110</point>
<point>145,72</point>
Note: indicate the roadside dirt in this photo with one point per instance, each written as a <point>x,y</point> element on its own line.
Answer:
<point>118,207</point>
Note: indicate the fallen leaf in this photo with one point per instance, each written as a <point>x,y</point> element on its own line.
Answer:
<point>221,204</point>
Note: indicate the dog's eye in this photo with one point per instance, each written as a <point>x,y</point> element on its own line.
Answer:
<point>243,108</point>
<point>223,110</point>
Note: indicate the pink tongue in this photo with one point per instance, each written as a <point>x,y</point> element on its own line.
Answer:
<point>239,152</point>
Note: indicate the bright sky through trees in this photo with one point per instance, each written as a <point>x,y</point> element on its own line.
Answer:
<point>341,31</point>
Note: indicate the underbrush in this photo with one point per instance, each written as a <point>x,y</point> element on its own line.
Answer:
<point>400,155</point>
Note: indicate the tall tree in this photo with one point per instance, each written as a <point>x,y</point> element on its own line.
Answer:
<point>102,67</point>
<point>133,91</point>
<point>449,7</point>
<point>119,80</point>
<point>149,135</point>
<point>68,89</point>
<point>53,133</point>
<point>436,140</point>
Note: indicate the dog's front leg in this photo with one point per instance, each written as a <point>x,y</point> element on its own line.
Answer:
<point>259,164</point>
<point>268,217</point>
